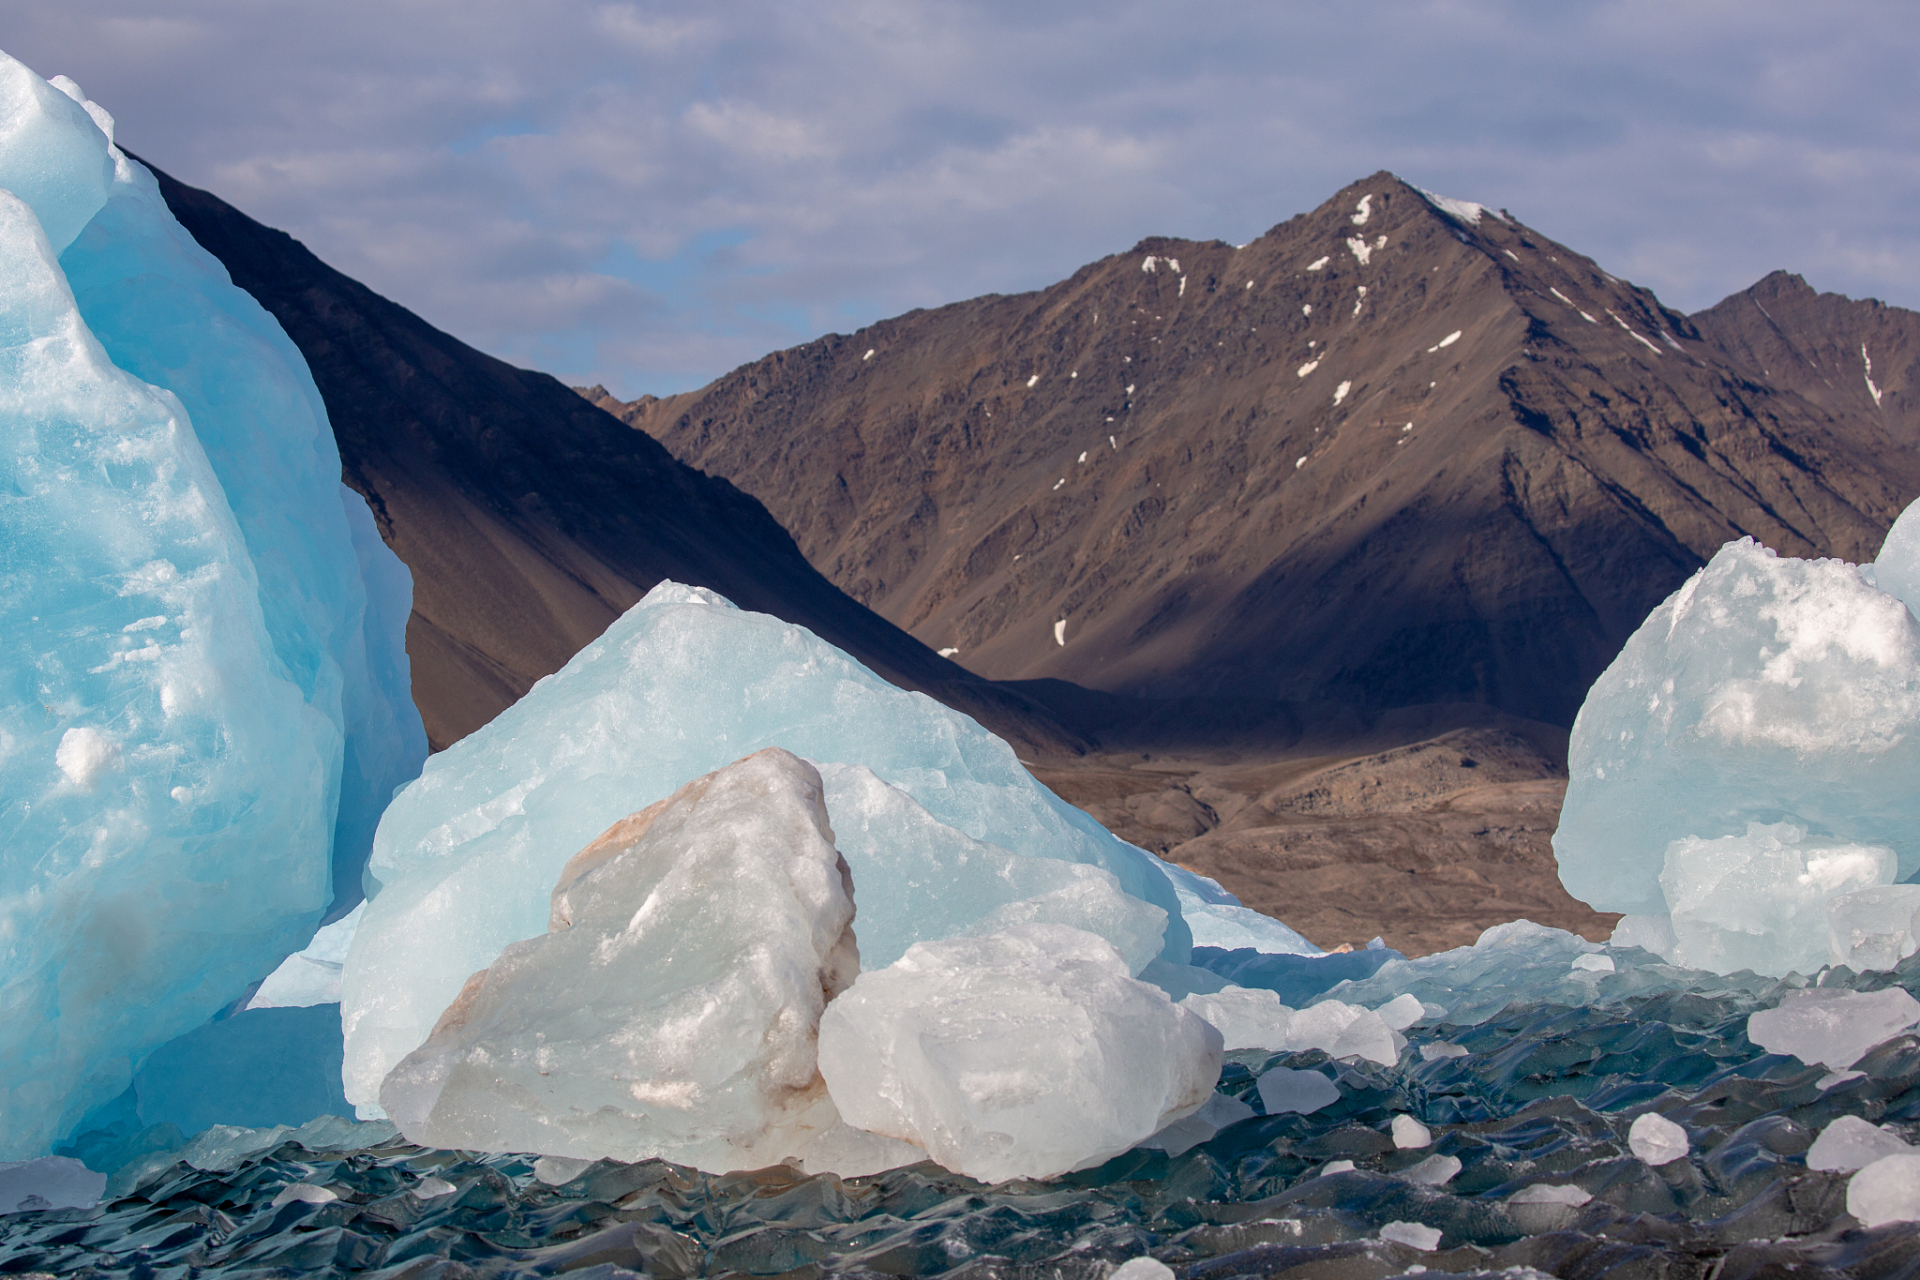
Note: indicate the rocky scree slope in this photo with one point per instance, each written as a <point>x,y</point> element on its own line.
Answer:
<point>531,519</point>
<point>1397,451</point>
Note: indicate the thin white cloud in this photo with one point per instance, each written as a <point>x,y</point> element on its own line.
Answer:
<point>647,193</point>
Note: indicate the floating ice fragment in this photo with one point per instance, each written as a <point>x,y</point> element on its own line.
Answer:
<point>1246,1017</point>
<point>1543,1207</point>
<point>303,1193</point>
<point>1850,1143</point>
<point>1834,1079</point>
<point>1335,1166</point>
<point>1434,1171</point>
<point>1766,691</point>
<point>1438,1049</point>
<point>1402,1011</point>
<point>1874,928</point>
<point>1412,1234</point>
<point>855,1153</point>
<point>1409,1133</point>
<point>1548,1193</point>
<point>432,1188</point>
<point>1649,933</point>
<point>1284,1090</point>
<point>1833,1028</point>
<point>1023,1054</point>
<point>1656,1139</point>
<point>671,1010</point>
<point>1343,1030</point>
<point>1142,1268</point>
<point>1888,1190</point>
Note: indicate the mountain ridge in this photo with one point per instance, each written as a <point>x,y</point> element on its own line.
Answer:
<point>1198,463</point>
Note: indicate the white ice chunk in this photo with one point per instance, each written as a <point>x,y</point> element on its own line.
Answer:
<point>432,1188</point>
<point>1142,1268</point>
<point>1759,901</point>
<point>311,976</point>
<point>557,1171</point>
<point>1343,1031</point>
<point>1765,690</point>
<point>1547,1193</point>
<point>1438,1049</point>
<point>1217,919</point>
<point>1594,963</point>
<point>1414,1235</point>
<point>50,1182</point>
<point>53,154</point>
<point>1024,1054</point>
<point>1888,1190</point>
<point>1874,928</point>
<point>1409,1134</point>
<point>1649,933</point>
<point>1850,1143</point>
<point>1897,569</point>
<point>672,1009</point>
<point>855,1153</point>
<point>677,687</point>
<point>303,1193</point>
<point>1434,1171</point>
<point>1836,1028</point>
<point>921,879</point>
<point>1657,1140</point>
<point>1246,1017</point>
<point>1284,1090</point>
<point>1402,1011</point>
<point>1543,1207</point>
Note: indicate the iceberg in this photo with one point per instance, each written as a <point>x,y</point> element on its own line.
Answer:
<point>671,1010</point>
<point>677,687</point>
<point>1766,691</point>
<point>1027,1053</point>
<point>176,710</point>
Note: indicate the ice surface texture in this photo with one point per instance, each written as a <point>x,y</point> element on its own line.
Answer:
<point>170,749</point>
<point>1765,691</point>
<point>1023,1054</point>
<point>672,1009</point>
<point>679,686</point>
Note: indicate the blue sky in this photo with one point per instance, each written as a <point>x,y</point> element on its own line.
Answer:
<point>647,195</point>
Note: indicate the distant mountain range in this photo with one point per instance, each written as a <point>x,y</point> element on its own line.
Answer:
<point>1401,450</point>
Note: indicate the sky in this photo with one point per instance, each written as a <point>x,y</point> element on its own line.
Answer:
<point>647,195</point>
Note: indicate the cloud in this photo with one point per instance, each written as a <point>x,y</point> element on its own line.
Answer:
<point>645,194</point>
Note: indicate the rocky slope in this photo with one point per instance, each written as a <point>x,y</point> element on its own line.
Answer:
<point>530,518</point>
<point>1397,451</point>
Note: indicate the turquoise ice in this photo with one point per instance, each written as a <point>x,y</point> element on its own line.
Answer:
<point>192,651</point>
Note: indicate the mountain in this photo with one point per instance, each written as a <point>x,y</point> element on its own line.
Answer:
<point>1401,451</point>
<point>531,519</point>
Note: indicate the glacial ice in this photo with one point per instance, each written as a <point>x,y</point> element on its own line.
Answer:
<point>174,720</point>
<point>1024,1054</point>
<point>311,976</point>
<point>1217,919</point>
<point>677,687</point>
<point>335,599</point>
<point>1850,1143</point>
<point>1245,1017</point>
<point>1759,900</point>
<point>1888,1190</point>
<point>671,1010</point>
<point>1766,690</point>
<point>1409,1134</point>
<point>1284,1090</point>
<point>1835,1028</point>
<point>1656,1139</point>
<point>1874,928</point>
<point>1216,1113</point>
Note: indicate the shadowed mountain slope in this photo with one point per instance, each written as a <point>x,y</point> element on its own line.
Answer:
<point>531,519</point>
<point>1397,451</point>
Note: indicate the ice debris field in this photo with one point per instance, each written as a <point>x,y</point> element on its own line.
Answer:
<point>717,954</point>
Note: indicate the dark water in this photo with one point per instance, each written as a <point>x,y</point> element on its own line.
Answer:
<point>1546,1095</point>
